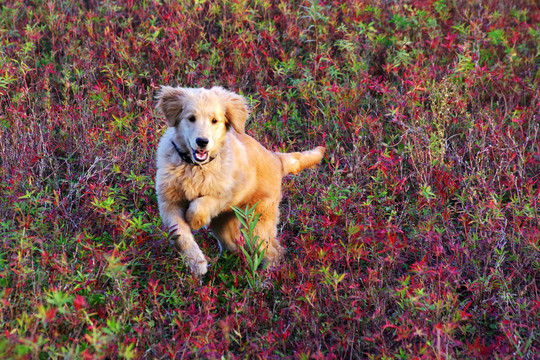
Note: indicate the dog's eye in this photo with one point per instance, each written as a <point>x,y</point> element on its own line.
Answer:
<point>191,118</point>
<point>214,121</point>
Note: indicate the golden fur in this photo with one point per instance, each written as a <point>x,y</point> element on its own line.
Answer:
<point>222,166</point>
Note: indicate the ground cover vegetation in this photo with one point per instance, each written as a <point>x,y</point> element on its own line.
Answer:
<point>417,237</point>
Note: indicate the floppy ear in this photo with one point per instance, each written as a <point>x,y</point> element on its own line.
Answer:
<point>236,110</point>
<point>170,103</point>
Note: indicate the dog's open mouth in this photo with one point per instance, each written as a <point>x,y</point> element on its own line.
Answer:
<point>200,155</point>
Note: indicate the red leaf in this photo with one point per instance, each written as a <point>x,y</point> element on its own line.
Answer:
<point>79,302</point>
<point>480,349</point>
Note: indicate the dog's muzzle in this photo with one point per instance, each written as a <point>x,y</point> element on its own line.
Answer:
<point>198,157</point>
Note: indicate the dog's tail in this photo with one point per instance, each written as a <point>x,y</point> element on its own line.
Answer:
<point>295,162</point>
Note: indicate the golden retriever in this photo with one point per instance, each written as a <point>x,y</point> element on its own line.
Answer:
<point>206,164</point>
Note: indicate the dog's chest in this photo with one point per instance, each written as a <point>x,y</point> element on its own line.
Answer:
<point>196,182</point>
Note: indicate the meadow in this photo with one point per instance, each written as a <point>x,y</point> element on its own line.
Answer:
<point>418,237</point>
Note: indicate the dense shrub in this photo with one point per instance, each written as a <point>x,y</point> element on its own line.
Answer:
<point>418,236</point>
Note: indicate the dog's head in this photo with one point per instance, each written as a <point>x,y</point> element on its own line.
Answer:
<point>202,118</point>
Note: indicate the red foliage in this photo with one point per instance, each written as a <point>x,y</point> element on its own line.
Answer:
<point>418,237</point>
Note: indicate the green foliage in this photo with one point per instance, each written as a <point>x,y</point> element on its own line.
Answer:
<point>252,248</point>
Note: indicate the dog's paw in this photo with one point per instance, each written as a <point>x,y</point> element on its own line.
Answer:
<point>180,239</point>
<point>196,261</point>
<point>196,218</point>
<point>272,256</point>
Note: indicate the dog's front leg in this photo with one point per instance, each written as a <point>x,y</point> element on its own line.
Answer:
<point>173,217</point>
<point>203,209</point>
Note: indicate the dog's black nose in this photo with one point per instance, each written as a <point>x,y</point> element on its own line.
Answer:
<point>202,142</point>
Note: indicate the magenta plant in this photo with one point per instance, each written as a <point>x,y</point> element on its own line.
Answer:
<point>417,237</point>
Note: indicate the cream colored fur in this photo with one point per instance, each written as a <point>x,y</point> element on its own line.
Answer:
<point>242,172</point>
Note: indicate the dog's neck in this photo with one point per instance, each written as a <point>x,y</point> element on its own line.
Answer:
<point>186,158</point>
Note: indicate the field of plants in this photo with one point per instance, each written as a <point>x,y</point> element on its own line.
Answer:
<point>418,237</point>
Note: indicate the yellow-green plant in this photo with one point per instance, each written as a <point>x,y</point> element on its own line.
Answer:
<point>251,247</point>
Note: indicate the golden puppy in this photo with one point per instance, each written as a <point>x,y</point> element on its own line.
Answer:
<point>206,163</point>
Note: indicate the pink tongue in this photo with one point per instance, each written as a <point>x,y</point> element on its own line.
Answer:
<point>201,155</point>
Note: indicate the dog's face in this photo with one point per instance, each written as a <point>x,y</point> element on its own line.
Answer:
<point>202,118</point>
<point>202,127</point>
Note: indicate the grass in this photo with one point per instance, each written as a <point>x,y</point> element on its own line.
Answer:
<point>417,237</point>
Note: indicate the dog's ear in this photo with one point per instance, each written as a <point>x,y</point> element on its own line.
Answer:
<point>171,103</point>
<point>236,110</point>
